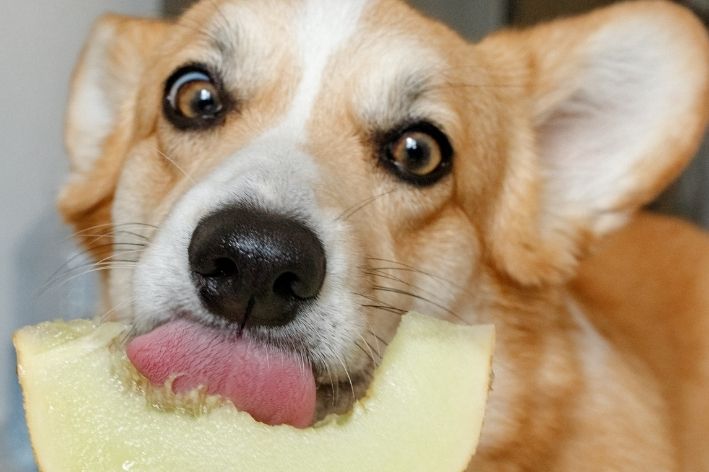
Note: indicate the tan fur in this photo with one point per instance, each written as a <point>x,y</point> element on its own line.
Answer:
<point>489,243</point>
<point>620,282</point>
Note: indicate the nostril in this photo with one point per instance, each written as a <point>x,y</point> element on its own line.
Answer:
<point>286,285</point>
<point>221,267</point>
<point>290,285</point>
<point>224,267</point>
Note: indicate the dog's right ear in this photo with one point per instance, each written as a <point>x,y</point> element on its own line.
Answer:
<point>100,118</point>
<point>603,111</point>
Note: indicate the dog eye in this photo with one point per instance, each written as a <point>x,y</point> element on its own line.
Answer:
<point>192,99</point>
<point>420,154</point>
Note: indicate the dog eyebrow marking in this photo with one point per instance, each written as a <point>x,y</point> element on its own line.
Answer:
<point>223,41</point>
<point>323,28</point>
<point>399,102</point>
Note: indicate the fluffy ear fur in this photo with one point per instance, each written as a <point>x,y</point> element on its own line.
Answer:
<point>100,118</point>
<point>616,103</point>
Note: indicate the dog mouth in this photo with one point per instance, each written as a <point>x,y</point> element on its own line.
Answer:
<point>275,386</point>
<point>337,397</point>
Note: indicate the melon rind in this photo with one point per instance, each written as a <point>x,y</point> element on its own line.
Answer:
<point>423,411</point>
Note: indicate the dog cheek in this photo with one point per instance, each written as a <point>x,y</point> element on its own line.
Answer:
<point>87,208</point>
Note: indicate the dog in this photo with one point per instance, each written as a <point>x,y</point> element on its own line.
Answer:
<point>303,172</point>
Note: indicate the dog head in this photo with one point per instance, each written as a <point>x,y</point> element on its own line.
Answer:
<point>303,172</point>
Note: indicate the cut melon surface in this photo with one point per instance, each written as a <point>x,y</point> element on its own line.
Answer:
<point>423,411</point>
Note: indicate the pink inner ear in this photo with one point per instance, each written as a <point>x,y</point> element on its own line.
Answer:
<point>617,124</point>
<point>275,387</point>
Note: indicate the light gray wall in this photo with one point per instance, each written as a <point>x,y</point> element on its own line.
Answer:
<point>39,42</point>
<point>472,18</point>
<point>175,7</point>
<point>688,197</point>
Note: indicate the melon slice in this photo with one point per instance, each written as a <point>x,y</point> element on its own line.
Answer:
<point>423,411</point>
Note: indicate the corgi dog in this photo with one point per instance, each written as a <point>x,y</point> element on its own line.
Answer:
<point>299,173</point>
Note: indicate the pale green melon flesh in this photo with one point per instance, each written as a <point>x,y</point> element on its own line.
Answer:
<point>423,412</point>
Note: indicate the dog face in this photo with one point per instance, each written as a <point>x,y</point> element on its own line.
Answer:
<point>306,171</point>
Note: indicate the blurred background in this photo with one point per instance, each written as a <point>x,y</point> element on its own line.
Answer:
<point>39,43</point>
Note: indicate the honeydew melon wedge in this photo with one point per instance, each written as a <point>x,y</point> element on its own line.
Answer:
<point>423,411</point>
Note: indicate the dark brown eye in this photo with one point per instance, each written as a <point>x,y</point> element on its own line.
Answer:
<point>192,99</point>
<point>420,154</point>
<point>416,153</point>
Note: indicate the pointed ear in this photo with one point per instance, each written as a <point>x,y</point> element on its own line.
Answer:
<point>617,102</point>
<point>100,116</point>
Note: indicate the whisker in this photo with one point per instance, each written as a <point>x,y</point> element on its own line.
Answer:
<point>114,233</point>
<point>347,373</point>
<point>111,236</point>
<point>380,273</point>
<point>335,389</point>
<point>375,352</point>
<point>381,288</point>
<point>378,340</point>
<point>105,316</point>
<point>122,264</point>
<point>105,263</point>
<point>116,253</point>
<point>395,311</point>
<point>367,352</point>
<point>112,258</point>
<point>175,164</point>
<point>348,213</point>
<point>127,335</point>
<point>379,303</point>
<point>87,252</point>
<point>408,268</point>
<point>415,287</point>
<point>107,225</point>
<point>370,349</point>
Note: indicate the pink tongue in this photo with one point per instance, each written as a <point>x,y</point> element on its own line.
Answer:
<point>274,387</point>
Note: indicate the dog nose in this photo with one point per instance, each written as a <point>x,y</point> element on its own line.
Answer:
<point>255,268</point>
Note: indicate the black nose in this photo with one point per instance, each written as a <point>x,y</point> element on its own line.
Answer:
<point>256,268</point>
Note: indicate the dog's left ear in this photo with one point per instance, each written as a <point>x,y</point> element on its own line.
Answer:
<point>101,117</point>
<point>617,102</point>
